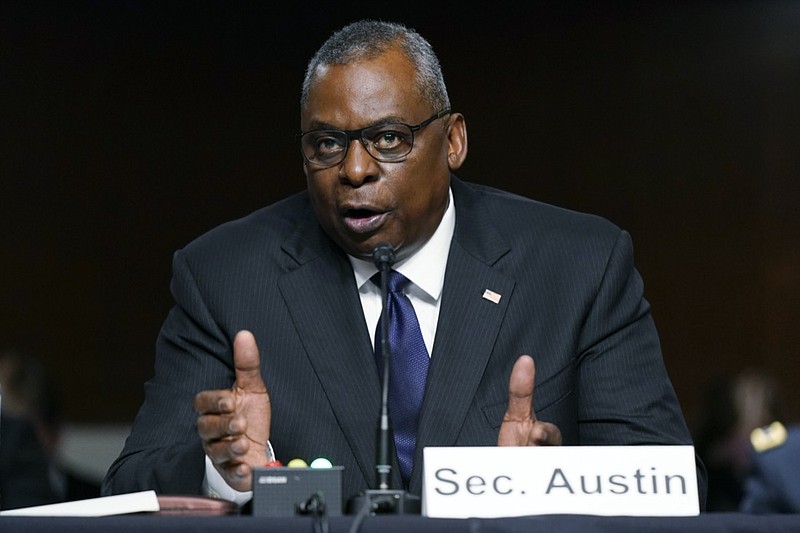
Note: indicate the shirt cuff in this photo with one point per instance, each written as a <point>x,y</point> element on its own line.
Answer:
<point>216,487</point>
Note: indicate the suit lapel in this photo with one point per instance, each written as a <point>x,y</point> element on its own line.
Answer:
<point>323,300</point>
<point>469,322</point>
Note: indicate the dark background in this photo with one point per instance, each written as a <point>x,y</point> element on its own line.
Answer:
<point>128,128</point>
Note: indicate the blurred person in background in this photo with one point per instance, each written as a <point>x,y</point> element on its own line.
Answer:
<point>773,482</point>
<point>30,433</point>
<point>732,407</point>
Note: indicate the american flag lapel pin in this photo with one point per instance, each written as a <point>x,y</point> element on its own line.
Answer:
<point>492,296</point>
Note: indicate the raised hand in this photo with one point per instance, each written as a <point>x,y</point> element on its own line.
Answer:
<point>520,426</point>
<point>234,423</point>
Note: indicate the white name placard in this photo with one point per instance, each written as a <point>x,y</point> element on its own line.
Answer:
<point>493,482</point>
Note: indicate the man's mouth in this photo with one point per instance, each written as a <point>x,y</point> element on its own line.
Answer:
<point>363,220</point>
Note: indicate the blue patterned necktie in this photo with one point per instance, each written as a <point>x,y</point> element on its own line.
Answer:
<point>408,369</point>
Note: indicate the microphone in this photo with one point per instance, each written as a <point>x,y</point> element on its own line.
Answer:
<point>383,500</point>
<point>383,257</point>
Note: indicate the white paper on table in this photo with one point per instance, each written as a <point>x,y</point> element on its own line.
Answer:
<point>135,502</point>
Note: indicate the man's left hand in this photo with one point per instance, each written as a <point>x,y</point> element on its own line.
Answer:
<point>520,426</point>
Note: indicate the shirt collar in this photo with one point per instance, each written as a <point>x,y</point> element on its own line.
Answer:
<point>426,267</point>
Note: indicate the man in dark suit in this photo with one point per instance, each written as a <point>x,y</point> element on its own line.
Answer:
<point>271,338</point>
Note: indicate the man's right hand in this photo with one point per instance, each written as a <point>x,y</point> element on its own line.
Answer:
<point>234,423</point>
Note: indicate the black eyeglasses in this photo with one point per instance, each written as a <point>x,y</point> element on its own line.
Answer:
<point>386,142</point>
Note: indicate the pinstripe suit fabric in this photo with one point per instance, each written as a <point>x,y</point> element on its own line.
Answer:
<point>569,296</point>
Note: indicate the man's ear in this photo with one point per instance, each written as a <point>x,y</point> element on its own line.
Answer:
<point>457,141</point>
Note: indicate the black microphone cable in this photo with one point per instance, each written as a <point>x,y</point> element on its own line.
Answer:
<point>315,506</point>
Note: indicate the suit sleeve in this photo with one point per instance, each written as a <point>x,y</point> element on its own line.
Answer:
<point>626,396</point>
<point>163,451</point>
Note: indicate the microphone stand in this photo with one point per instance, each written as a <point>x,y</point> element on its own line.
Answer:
<point>384,258</point>
<point>384,500</point>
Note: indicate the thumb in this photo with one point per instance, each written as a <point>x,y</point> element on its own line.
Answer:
<point>520,390</point>
<point>247,363</point>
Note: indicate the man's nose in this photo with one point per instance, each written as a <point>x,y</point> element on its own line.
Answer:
<point>358,165</point>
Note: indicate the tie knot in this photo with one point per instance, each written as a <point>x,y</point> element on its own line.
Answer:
<point>396,281</point>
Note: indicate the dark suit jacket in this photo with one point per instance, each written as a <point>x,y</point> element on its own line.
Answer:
<point>24,466</point>
<point>570,297</point>
<point>773,485</point>
<point>29,476</point>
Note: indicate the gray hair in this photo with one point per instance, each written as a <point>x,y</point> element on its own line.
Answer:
<point>368,39</point>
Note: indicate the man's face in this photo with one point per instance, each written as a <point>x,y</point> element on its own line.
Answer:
<point>362,202</point>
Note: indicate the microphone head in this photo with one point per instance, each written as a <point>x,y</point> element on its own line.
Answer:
<point>383,254</point>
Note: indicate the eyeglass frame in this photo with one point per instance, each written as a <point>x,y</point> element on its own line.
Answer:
<point>353,135</point>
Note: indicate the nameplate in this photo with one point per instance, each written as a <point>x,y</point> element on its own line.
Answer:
<point>504,481</point>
